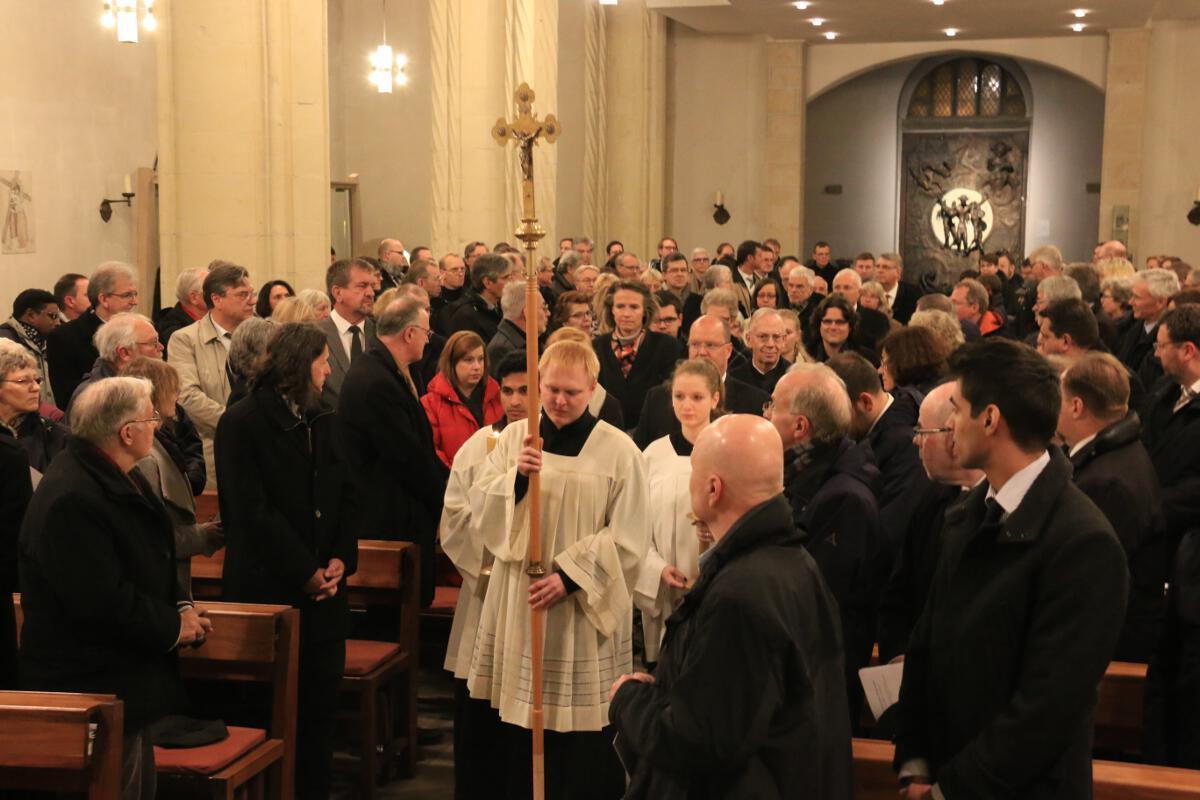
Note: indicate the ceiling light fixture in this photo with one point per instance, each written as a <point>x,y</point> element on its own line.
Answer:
<point>384,69</point>
<point>830,35</point>
<point>802,5</point>
<point>122,15</point>
<point>951,32</point>
<point>817,22</point>
<point>608,2</point>
<point>1078,27</point>
<point>938,2</point>
<point>1080,13</point>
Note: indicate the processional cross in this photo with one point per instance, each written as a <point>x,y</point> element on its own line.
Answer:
<point>526,130</point>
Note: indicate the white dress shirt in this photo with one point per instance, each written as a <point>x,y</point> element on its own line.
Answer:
<point>226,336</point>
<point>344,335</point>
<point>1013,492</point>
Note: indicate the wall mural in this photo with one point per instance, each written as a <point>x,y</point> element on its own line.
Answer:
<point>963,194</point>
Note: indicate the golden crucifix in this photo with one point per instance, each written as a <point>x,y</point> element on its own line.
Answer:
<point>525,130</point>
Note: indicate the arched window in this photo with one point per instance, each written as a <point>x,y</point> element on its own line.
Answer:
<point>967,87</point>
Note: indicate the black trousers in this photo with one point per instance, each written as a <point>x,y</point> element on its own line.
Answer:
<point>579,766</point>
<point>322,662</point>
<point>479,755</point>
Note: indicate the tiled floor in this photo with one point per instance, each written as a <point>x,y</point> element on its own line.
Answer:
<point>435,768</point>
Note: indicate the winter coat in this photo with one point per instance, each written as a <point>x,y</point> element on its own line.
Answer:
<point>449,418</point>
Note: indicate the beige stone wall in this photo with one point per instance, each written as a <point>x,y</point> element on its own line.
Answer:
<point>1124,125</point>
<point>79,113</point>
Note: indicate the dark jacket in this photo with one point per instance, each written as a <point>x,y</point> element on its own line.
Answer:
<point>390,447</point>
<point>171,320</point>
<point>182,442</point>
<point>100,369</point>
<point>42,439</point>
<point>1001,672</point>
<point>873,326</point>
<point>508,339</point>
<point>905,304</point>
<point>653,364</point>
<point>833,490</point>
<point>1173,441</point>
<point>748,374</point>
<point>658,415</point>
<point>473,314</point>
<point>904,594</point>
<point>899,462</point>
<point>1136,348</point>
<point>1115,471</point>
<point>288,506</point>
<point>98,587</point>
<point>15,490</point>
<point>749,699</point>
<point>71,353</point>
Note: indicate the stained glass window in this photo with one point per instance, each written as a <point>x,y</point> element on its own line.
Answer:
<point>967,87</point>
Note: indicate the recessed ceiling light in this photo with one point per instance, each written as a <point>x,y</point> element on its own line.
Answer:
<point>952,32</point>
<point>1080,13</point>
<point>1078,27</point>
<point>817,22</point>
<point>802,5</point>
<point>938,2</point>
<point>830,35</point>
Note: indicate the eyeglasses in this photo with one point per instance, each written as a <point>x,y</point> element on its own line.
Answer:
<point>919,431</point>
<point>838,322</point>
<point>421,328</point>
<point>26,381</point>
<point>581,315</point>
<point>154,420</point>
<point>155,342</point>
<point>1158,346</point>
<point>130,295</point>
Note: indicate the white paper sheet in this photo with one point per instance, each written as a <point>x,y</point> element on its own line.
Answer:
<point>882,686</point>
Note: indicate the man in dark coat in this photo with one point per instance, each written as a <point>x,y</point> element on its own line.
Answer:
<point>748,699</point>
<point>1171,433</point>
<point>479,310</point>
<point>1113,468</point>
<point>1150,301</point>
<point>904,595</point>
<point>69,348</point>
<point>1026,606</point>
<point>902,295</point>
<point>388,439</point>
<point>97,564</point>
<point>189,289</point>
<point>832,485</point>
<point>885,422</point>
<point>766,364</point>
<point>709,338</point>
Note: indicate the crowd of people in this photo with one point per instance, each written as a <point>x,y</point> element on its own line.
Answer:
<point>754,470</point>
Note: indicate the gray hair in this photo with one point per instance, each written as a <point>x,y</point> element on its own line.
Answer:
<point>569,260</point>
<point>1162,284</point>
<point>118,332</point>
<point>249,344</point>
<point>715,275</point>
<point>849,272</point>
<point>894,258</point>
<point>720,297</point>
<point>1059,287</point>
<point>1049,255</point>
<point>314,299</point>
<point>762,313</point>
<point>105,278</point>
<point>944,324</point>
<point>1121,289</point>
<point>512,300</point>
<point>402,313</point>
<point>103,407</point>
<point>823,399</point>
<point>190,280</point>
<point>805,274</point>
<point>875,289</point>
<point>13,357</point>
<point>977,293</point>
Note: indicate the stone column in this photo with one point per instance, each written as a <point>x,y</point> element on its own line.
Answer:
<point>243,128</point>
<point>636,82</point>
<point>783,162</point>
<point>1124,121</point>
<point>595,117</point>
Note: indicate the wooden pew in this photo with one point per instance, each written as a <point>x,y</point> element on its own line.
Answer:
<point>207,507</point>
<point>382,676</point>
<point>1111,780</point>
<point>62,743</point>
<point>206,575</point>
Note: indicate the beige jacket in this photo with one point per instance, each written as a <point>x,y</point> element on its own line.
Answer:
<point>199,357</point>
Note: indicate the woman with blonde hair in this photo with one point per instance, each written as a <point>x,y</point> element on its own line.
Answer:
<point>601,291</point>
<point>793,343</point>
<point>673,558</point>
<point>309,305</point>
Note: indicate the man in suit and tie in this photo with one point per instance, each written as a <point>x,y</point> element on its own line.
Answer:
<point>349,325</point>
<point>902,296</point>
<point>1152,293</point>
<point>746,274</point>
<point>708,338</point>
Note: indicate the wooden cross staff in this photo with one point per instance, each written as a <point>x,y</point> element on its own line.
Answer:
<point>525,130</point>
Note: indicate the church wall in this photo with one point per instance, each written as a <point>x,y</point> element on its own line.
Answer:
<point>385,138</point>
<point>569,110</point>
<point>79,113</point>
<point>852,140</point>
<point>716,114</point>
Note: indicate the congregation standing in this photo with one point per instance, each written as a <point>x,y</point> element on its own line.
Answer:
<point>757,472</point>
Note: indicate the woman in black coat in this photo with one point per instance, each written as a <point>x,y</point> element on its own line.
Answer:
<point>633,359</point>
<point>290,534</point>
<point>15,490</point>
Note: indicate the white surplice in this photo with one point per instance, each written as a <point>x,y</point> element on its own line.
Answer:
<point>462,542</point>
<point>595,529</point>
<point>673,540</point>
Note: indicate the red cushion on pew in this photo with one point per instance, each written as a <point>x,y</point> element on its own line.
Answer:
<point>445,599</point>
<point>211,757</point>
<point>362,655</point>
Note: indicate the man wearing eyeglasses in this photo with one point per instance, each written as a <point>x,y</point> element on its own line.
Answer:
<point>388,440</point>
<point>35,315</point>
<point>112,290</point>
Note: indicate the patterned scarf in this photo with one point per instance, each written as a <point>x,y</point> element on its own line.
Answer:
<point>33,334</point>
<point>626,350</point>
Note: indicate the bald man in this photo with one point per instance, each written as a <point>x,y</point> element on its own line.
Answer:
<point>749,698</point>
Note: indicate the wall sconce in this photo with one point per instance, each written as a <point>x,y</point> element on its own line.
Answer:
<point>720,213</point>
<point>106,205</point>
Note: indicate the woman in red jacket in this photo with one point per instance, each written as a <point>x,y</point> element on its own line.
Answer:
<point>462,398</point>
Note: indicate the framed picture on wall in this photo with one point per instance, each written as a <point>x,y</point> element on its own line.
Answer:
<point>16,192</point>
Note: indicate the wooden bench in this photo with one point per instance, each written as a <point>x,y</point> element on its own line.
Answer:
<point>61,743</point>
<point>382,675</point>
<point>207,507</point>
<point>1111,780</point>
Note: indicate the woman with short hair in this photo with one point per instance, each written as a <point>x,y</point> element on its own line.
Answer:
<point>41,438</point>
<point>270,296</point>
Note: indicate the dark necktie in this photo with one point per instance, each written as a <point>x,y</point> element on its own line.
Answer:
<point>993,518</point>
<point>355,343</point>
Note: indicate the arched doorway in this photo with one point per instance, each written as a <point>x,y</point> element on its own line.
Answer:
<point>964,154</point>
